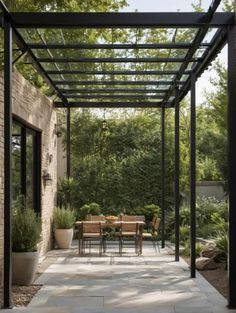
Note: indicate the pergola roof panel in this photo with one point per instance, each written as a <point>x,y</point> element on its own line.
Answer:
<point>119,51</point>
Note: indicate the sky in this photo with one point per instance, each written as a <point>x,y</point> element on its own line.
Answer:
<point>203,82</point>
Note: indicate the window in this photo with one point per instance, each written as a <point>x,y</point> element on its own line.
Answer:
<point>26,167</point>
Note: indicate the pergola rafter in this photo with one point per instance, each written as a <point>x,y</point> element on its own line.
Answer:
<point>167,73</point>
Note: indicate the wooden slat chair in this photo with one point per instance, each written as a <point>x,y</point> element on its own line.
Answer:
<point>91,232</point>
<point>154,233</point>
<point>129,232</point>
<point>96,218</point>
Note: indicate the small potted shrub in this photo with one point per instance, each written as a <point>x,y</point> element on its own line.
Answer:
<point>64,220</point>
<point>26,234</point>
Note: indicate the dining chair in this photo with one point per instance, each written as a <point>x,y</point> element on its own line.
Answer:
<point>154,233</point>
<point>96,218</point>
<point>91,232</point>
<point>128,218</point>
<point>129,232</point>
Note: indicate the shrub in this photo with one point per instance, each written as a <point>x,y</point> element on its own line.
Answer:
<point>26,230</point>
<point>198,247</point>
<point>149,211</point>
<point>63,218</point>
<point>66,191</point>
<point>92,208</point>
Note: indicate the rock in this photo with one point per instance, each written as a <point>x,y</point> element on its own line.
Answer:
<point>210,251</point>
<point>204,263</point>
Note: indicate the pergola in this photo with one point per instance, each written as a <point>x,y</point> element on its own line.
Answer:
<point>147,74</point>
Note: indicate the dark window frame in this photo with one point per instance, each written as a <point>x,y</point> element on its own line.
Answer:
<point>25,128</point>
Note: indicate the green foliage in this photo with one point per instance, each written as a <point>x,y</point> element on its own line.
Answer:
<point>26,230</point>
<point>186,251</point>
<point>66,190</point>
<point>149,211</point>
<point>63,218</point>
<point>120,170</point>
<point>184,232</point>
<point>91,208</point>
<point>222,243</point>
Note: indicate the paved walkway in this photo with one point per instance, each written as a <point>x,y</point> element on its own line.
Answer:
<point>152,283</point>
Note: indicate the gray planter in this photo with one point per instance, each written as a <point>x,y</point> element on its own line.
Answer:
<point>24,265</point>
<point>63,238</point>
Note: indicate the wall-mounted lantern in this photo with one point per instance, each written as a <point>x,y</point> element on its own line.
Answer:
<point>57,130</point>
<point>47,178</point>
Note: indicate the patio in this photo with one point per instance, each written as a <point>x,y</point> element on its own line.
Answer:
<point>149,283</point>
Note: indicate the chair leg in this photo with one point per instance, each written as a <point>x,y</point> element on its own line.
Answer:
<point>79,246</point>
<point>154,244</point>
<point>120,246</point>
<point>104,245</point>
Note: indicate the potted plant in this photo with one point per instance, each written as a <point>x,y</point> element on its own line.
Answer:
<point>26,234</point>
<point>64,220</point>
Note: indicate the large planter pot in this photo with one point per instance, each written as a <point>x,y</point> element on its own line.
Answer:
<point>63,237</point>
<point>24,265</point>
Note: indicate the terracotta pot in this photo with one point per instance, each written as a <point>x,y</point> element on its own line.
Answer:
<point>63,237</point>
<point>24,265</point>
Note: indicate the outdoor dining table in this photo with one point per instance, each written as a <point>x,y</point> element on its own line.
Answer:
<point>117,224</point>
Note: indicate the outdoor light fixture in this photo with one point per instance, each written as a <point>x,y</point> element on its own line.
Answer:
<point>47,178</point>
<point>57,130</point>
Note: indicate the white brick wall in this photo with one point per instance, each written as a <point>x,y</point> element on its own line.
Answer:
<point>36,110</point>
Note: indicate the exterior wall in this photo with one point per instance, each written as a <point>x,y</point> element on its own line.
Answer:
<point>35,110</point>
<point>210,189</point>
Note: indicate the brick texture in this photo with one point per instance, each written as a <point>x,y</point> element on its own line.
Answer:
<point>35,110</point>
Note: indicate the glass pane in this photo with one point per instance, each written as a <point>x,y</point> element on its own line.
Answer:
<point>29,169</point>
<point>16,161</point>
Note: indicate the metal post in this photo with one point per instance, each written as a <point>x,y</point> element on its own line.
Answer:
<point>7,278</point>
<point>193,175</point>
<point>176,174</point>
<point>232,164</point>
<point>68,144</point>
<point>163,177</point>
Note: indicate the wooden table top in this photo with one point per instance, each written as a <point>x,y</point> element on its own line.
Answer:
<point>111,223</point>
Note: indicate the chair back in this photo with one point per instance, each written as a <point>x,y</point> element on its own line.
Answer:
<point>129,227</point>
<point>128,218</point>
<point>156,224</point>
<point>91,228</point>
<point>98,218</point>
<point>140,218</point>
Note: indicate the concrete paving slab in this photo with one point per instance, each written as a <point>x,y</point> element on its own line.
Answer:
<point>151,283</point>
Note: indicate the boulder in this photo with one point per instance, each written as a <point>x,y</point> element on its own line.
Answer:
<point>210,251</point>
<point>204,263</point>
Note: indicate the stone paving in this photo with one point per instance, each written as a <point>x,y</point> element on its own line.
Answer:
<point>151,283</point>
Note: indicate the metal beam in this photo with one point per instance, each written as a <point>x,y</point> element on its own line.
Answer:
<point>103,104</point>
<point>193,177</point>
<point>232,165</point>
<point>115,82</point>
<point>95,72</point>
<point>163,171</point>
<point>103,96</point>
<point>66,92</point>
<point>78,46</point>
<point>116,60</point>
<point>7,275</point>
<point>177,221</point>
<point>121,20</point>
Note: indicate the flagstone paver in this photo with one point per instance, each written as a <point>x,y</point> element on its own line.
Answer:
<point>151,283</point>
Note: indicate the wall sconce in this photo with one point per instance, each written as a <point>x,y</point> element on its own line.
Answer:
<point>57,130</point>
<point>47,178</point>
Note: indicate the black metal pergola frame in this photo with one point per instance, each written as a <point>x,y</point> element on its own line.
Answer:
<point>136,92</point>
